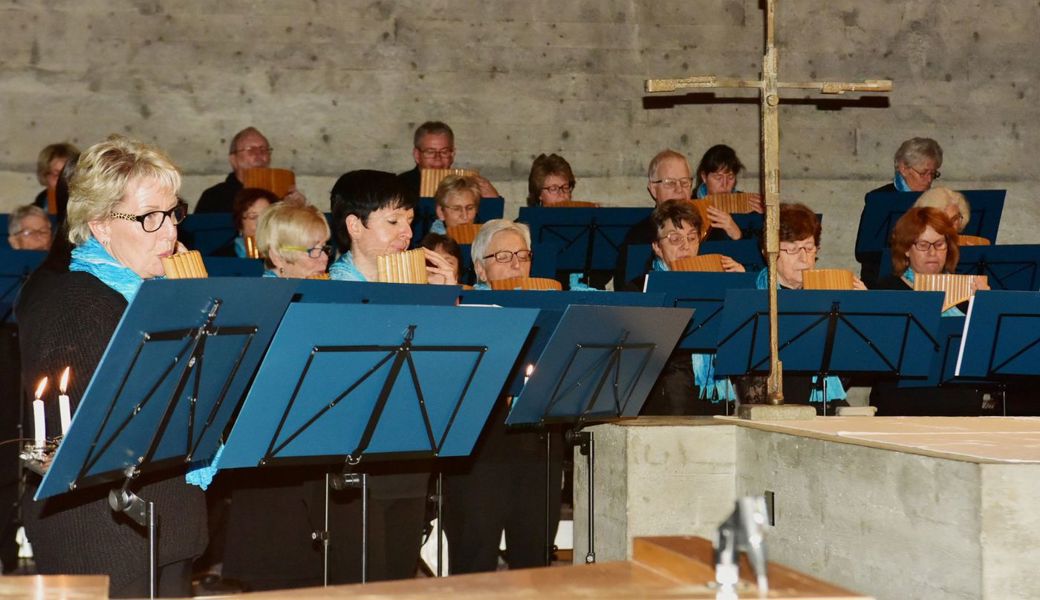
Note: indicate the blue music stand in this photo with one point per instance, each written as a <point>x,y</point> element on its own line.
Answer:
<point>830,332</point>
<point>426,214</point>
<point>599,364</point>
<point>207,232</point>
<point>361,292</point>
<point>230,266</point>
<point>166,386</point>
<point>588,238</point>
<point>15,268</point>
<point>1002,336</point>
<point>1012,267</point>
<point>944,365</point>
<point>703,292</point>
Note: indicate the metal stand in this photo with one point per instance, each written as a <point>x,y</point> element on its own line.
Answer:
<point>587,444</point>
<point>440,524</point>
<point>549,542</point>
<point>343,481</point>
<point>143,513</point>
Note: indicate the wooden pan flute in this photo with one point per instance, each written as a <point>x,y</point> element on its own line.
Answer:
<point>403,267</point>
<point>429,179</point>
<point>526,283</point>
<point>972,240</point>
<point>252,250</point>
<point>957,288</point>
<point>827,279</point>
<point>186,265</point>
<point>572,204</point>
<point>705,263</point>
<point>277,181</point>
<point>735,203</point>
<point>320,276</point>
<point>463,234</point>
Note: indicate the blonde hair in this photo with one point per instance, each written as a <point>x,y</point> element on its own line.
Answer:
<point>940,197</point>
<point>287,224</point>
<point>103,175</point>
<point>456,184</point>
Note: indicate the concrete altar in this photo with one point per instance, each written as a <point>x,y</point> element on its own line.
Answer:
<point>894,507</point>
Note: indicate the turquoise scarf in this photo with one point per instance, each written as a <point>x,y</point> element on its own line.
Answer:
<point>344,269</point>
<point>438,227</point>
<point>900,183</point>
<point>240,247</point>
<point>91,257</point>
<point>834,389</point>
<point>702,190</point>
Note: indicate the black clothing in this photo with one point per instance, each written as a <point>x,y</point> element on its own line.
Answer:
<point>675,393</point>
<point>945,401</point>
<point>502,485</point>
<point>870,263</point>
<point>411,180</point>
<point>41,199</point>
<point>221,197</point>
<point>67,319</point>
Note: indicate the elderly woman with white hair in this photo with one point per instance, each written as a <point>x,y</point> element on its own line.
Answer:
<point>123,213</point>
<point>501,485</point>
<point>916,163</point>
<point>953,204</point>
<point>29,228</point>
<point>501,250</point>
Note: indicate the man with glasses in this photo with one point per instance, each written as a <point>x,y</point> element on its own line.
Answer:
<point>434,148</point>
<point>29,228</point>
<point>249,149</point>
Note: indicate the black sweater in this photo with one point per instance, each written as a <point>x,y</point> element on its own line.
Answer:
<point>67,319</point>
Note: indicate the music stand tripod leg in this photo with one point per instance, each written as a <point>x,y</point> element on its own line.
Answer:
<point>143,513</point>
<point>585,442</point>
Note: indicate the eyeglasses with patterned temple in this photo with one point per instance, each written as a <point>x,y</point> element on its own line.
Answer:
<point>676,238</point>
<point>37,233</point>
<point>505,256</point>
<point>795,250</point>
<point>256,150</point>
<point>558,189</point>
<point>925,245</point>
<point>314,252</point>
<point>435,152</point>
<point>153,221</point>
<point>684,183</point>
<point>933,174</point>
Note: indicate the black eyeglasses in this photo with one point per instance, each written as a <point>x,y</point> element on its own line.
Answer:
<point>314,252</point>
<point>153,221</point>
<point>505,256</point>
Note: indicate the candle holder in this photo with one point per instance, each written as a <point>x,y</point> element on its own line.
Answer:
<point>38,459</point>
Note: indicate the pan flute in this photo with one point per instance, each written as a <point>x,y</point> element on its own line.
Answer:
<point>186,265</point>
<point>526,283</point>
<point>277,181</point>
<point>572,204</point>
<point>463,234</point>
<point>827,279</point>
<point>957,288</point>
<point>320,276</point>
<point>252,250</point>
<point>972,240</point>
<point>403,267</point>
<point>735,203</point>
<point>705,263</point>
<point>429,179</point>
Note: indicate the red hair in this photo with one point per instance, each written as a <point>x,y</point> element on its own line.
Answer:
<point>910,227</point>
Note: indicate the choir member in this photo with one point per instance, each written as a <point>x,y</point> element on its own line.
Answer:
<point>717,174</point>
<point>550,181</point>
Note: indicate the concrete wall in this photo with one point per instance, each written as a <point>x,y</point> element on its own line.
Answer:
<point>340,84</point>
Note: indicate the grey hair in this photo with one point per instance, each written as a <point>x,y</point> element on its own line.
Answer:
<point>233,147</point>
<point>491,229</point>
<point>913,150</point>
<point>663,155</point>
<point>14,223</point>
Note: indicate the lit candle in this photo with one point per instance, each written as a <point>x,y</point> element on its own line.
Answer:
<point>527,375</point>
<point>63,402</point>
<point>39,418</point>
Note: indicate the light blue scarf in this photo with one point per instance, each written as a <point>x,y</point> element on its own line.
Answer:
<point>240,247</point>
<point>269,273</point>
<point>91,257</point>
<point>575,284</point>
<point>900,183</point>
<point>953,311</point>
<point>438,227</point>
<point>834,389</point>
<point>344,269</point>
<point>702,190</point>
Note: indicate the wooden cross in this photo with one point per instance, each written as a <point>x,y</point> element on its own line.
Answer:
<point>769,96</point>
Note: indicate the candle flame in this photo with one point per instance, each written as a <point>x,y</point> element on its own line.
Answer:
<point>530,369</point>
<point>40,387</point>
<point>64,385</point>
